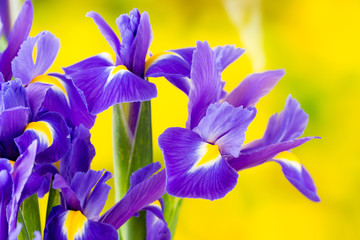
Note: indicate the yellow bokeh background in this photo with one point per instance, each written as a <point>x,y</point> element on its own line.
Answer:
<point>315,41</point>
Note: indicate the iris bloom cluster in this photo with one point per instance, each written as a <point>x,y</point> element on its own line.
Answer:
<point>45,120</point>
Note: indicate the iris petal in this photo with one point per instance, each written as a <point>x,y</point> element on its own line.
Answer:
<point>225,126</point>
<point>254,87</point>
<point>206,85</point>
<point>299,177</point>
<point>183,149</point>
<point>23,65</point>
<point>107,32</point>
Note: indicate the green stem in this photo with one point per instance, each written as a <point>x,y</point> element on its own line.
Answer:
<point>171,212</point>
<point>130,154</point>
<point>24,233</point>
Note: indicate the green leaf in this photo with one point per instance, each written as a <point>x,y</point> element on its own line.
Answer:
<point>29,216</point>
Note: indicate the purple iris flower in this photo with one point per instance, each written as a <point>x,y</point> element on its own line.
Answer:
<point>14,189</point>
<point>49,92</point>
<point>85,196</point>
<point>202,160</point>
<point>105,83</point>
<point>15,37</point>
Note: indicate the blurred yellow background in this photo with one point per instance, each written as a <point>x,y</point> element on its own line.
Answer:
<point>315,41</point>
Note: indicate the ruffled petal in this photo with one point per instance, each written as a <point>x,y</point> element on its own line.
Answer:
<point>136,34</point>
<point>286,126</point>
<point>71,200</point>
<point>63,97</point>
<point>253,157</point>
<point>13,94</point>
<point>100,60</point>
<point>254,87</point>
<point>67,224</point>
<point>206,83</point>
<point>17,36</point>
<point>47,48</point>
<point>225,126</point>
<point>135,199</point>
<point>52,134</point>
<point>225,55</point>
<point>194,168</point>
<point>107,32</point>
<point>299,177</point>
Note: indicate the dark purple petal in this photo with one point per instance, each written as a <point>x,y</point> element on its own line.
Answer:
<point>52,134</point>
<point>12,125</point>
<point>254,87</point>
<point>63,97</point>
<point>22,170</point>
<point>286,126</point>
<point>253,157</point>
<point>143,173</point>
<point>82,184</point>
<point>65,224</point>
<point>17,36</point>
<point>5,23</point>
<point>183,151</point>
<point>47,48</point>
<point>80,154</point>
<point>37,93</point>
<point>225,55</point>
<point>100,60</point>
<point>299,177</point>
<point>97,198</point>
<point>206,85</point>
<point>71,200</point>
<point>225,126</point>
<point>134,200</point>
<point>107,32</point>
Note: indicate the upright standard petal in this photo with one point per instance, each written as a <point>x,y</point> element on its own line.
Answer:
<point>225,55</point>
<point>225,126</point>
<point>17,36</point>
<point>107,32</point>
<point>194,168</point>
<point>254,87</point>
<point>47,48</point>
<point>206,86</point>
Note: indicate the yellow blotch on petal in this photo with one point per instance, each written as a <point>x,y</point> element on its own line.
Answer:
<point>42,128</point>
<point>212,152</point>
<point>117,69</point>
<point>74,223</point>
<point>50,80</point>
